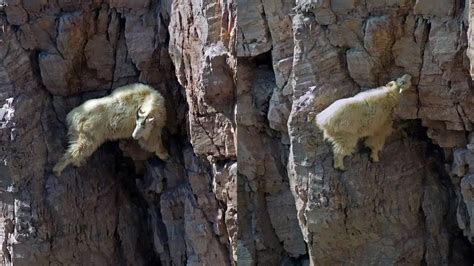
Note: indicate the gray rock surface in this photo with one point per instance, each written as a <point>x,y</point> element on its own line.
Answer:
<point>462,170</point>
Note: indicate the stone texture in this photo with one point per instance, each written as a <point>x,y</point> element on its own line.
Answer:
<point>126,4</point>
<point>55,72</point>
<point>438,8</point>
<point>16,14</point>
<point>465,220</point>
<point>211,132</point>
<point>140,39</point>
<point>268,229</point>
<point>462,170</point>
<point>217,79</point>
<point>71,35</point>
<point>100,56</point>
<point>363,68</point>
<point>253,37</point>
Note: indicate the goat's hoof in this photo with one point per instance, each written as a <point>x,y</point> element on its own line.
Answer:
<point>56,172</point>
<point>163,155</point>
<point>375,159</point>
<point>339,167</point>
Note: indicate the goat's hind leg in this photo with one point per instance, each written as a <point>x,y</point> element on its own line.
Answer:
<point>66,159</point>
<point>81,149</point>
<point>81,146</point>
<point>342,147</point>
<point>73,155</point>
<point>62,163</point>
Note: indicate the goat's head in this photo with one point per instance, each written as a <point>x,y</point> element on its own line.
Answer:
<point>403,83</point>
<point>143,123</point>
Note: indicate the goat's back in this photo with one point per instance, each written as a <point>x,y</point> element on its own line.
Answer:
<point>354,114</point>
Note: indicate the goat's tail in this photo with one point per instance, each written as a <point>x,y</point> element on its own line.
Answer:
<point>323,118</point>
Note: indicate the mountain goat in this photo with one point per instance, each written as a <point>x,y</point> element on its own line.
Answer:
<point>367,115</point>
<point>135,110</point>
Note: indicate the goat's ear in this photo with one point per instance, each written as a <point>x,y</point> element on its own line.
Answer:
<point>391,84</point>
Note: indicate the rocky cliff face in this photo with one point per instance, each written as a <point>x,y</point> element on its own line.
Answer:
<point>250,180</point>
<point>119,208</point>
<point>294,59</point>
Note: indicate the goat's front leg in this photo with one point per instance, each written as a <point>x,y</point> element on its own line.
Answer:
<point>155,144</point>
<point>62,163</point>
<point>160,149</point>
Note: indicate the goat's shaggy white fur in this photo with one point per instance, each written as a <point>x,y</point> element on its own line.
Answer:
<point>367,114</point>
<point>114,117</point>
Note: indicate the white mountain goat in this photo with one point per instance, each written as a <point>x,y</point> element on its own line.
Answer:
<point>135,110</point>
<point>367,115</point>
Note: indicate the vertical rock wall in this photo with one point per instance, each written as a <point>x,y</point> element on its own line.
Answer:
<point>268,224</point>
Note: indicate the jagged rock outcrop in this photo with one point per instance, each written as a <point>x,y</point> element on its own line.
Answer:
<point>462,170</point>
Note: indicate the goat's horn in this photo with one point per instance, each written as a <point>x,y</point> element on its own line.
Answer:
<point>138,111</point>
